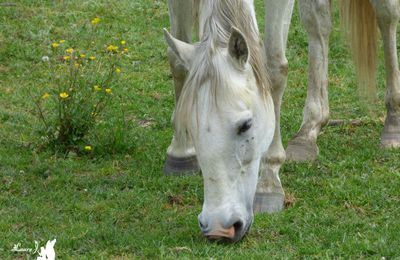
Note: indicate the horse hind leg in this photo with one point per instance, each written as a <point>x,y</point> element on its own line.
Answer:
<point>181,158</point>
<point>388,15</point>
<point>316,17</point>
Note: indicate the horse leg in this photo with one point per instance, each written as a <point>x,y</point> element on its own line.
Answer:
<point>316,17</point>
<point>388,15</point>
<point>180,158</point>
<point>270,195</point>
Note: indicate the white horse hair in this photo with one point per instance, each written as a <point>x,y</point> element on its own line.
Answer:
<point>223,117</point>
<point>226,109</point>
<point>219,18</point>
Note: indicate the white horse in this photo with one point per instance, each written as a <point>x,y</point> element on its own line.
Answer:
<point>218,112</point>
<point>226,109</point>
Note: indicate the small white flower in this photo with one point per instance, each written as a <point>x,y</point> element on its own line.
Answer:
<point>45,58</point>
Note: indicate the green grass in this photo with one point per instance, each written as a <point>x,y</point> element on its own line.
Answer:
<point>117,203</point>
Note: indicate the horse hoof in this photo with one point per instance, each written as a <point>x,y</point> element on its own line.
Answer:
<point>175,166</point>
<point>270,202</point>
<point>300,150</point>
<point>390,140</point>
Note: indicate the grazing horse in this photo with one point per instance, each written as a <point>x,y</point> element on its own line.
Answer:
<point>226,110</point>
<point>223,116</point>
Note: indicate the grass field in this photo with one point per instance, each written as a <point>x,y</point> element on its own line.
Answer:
<point>115,203</point>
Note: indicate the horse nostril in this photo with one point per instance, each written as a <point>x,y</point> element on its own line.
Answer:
<point>202,226</point>
<point>238,225</point>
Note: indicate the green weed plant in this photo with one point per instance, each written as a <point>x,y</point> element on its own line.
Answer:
<point>80,89</point>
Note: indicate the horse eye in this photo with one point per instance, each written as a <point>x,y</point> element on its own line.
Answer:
<point>244,127</point>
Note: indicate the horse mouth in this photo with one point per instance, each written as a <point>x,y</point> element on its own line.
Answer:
<point>231,235</point>
<point>221,234</point>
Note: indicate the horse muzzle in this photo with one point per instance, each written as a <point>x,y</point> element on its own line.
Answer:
<point>232,233</point>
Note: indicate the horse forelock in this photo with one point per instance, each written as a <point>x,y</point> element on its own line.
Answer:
<point>218,17</point>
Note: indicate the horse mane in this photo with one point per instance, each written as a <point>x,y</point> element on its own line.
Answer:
<point>217,18</point>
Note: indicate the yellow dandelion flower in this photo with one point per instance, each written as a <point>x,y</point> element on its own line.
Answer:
<point>55,45</point>
<point>61,41</point>
<point>67,58</point>
<point>97,88</point>
<point>77,65</point>
<point>108,90</point>
<point>46,95</point>
<point>125,50</point>
<point>112,48</point>
<point>82,56</point>
<point>69,50</point>
<point>88,148</point>
<point>123,42</point>
<point>118,70</point>
<point>92,58</point>
<point>64,95</point>
<point>95,20</point>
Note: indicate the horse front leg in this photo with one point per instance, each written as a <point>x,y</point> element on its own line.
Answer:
<point>270,195</point>
<point>316,18</point>
<point>388,14</point>
<point>181,158</point>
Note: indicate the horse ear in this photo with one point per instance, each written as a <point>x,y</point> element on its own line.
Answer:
<point>237,47</point>
<point>184,51</point>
